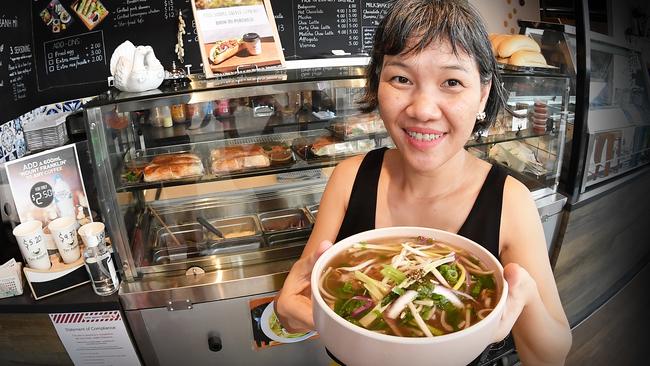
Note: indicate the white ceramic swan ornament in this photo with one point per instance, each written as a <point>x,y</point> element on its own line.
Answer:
<point>136,69</point>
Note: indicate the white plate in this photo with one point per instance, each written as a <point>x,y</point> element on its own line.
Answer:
<point>266,328</point>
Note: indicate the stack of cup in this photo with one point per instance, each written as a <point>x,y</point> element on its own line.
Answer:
<point>540,115</point>
<point>64,233</point>
<point>32,243</point>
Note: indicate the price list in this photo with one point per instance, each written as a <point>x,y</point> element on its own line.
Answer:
<point>75,59</point>
<point>316,28</point>
<point>372,12</point>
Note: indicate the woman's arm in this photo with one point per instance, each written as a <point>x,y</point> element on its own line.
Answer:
<point>542,334</point>
<point>293,302</point>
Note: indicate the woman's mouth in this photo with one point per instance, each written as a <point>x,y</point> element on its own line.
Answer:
<point>418,136</point>
<point>424,139</point>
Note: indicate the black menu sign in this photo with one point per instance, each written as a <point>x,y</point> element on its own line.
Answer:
<point>327,28</point>
<point>70,60</point>
<point>74,40</point>
<point>17,79</point>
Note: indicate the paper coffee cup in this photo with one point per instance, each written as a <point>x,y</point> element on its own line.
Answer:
<point>92,233</point>
<point>64,233</point>
<point>31,241</point>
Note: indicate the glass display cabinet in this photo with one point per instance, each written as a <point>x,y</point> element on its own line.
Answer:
<point>617,136</point>
<point>209,191</point>
<point>618,123</point>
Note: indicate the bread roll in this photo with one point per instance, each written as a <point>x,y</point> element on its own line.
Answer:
<point>233,158</point>
<point>528,58</point>
<point>153,173</point>
<point>517,42</point>
<point>497,40</point>
<point>184,158</point>
<point>503,60</point>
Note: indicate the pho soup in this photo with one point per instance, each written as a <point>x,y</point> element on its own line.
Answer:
<point>409,287</point>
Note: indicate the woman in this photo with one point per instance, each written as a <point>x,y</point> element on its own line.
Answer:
<point>434,79</point>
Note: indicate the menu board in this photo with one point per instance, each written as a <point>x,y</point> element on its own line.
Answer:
<point>74,40</point>
<point>327,28</point>
<point>17,77</point>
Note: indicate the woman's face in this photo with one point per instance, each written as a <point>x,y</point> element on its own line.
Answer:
<point>429,101</point>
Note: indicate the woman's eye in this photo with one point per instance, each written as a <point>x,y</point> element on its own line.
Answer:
<point>401,79</point>
<point>452,83</point>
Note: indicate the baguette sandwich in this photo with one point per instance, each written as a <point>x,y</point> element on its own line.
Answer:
<point>234,158</point>
<point>223,50</point>
<point>173,166</point>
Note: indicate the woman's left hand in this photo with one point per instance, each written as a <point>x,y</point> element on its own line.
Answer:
<point>522,288</point>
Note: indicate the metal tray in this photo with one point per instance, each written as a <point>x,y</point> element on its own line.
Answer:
<point>241,231</point>
<point>284,220</point>
<point>180,254</point>
<point>313,211</point>
<point>287,238</point>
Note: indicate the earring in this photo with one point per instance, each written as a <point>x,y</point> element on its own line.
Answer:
<point>480,116</point>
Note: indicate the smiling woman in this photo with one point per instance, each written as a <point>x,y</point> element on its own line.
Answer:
<point>434,79</point>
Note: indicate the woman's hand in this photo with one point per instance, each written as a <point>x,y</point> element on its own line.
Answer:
<point>293,302</point>
<point>521,290</point>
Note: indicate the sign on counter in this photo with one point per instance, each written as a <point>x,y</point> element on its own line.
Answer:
<point>48,185</point>
<point>95,338</point>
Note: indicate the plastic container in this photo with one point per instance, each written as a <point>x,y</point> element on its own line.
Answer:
<point>98,260</point>
<point>178,113</point>
<point>161,117</point>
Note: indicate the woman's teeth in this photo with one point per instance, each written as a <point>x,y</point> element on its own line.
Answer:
<point>424,136</point>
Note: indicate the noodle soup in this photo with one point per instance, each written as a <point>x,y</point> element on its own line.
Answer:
<point>409,287</point>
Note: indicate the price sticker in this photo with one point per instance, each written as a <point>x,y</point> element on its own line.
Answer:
<point>41,194</point>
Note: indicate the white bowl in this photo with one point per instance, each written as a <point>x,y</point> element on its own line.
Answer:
<point>354,345</point>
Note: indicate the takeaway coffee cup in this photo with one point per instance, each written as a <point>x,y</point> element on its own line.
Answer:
<point>64,233</point>
<point>31,241</point>
<point>92,234</point>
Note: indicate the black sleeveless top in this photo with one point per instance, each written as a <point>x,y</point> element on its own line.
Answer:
<point>482,224</point>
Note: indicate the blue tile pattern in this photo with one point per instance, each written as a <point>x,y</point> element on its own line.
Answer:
<point>12,138</point>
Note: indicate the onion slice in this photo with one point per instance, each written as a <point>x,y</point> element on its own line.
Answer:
<point>449,295</point>
<point>401,303</point>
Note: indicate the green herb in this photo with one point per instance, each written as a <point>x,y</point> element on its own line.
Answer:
<point>345,307</point>
<point>393,274</point>
<point>449,272</point>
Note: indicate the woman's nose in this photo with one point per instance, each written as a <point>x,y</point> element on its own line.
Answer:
<point>424,106</point>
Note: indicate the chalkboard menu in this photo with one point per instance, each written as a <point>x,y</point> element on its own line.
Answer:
<point>55,50</point>
<point>17,77</point>
<point>74,39</point>
<point>324,28</point>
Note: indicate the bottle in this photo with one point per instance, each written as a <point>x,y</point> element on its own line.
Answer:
<point>99,265</point>
<point>63,197</point>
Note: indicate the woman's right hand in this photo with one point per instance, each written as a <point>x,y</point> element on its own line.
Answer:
<point>293,304</point>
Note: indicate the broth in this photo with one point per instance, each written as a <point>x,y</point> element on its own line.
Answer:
<point>411,287</point>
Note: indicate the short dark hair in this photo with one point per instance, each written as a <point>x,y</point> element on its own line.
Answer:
<point>453,21</point>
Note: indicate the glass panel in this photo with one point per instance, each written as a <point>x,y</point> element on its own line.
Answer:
<point>618,113</point>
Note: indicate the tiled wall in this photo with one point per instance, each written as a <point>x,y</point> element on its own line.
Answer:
<point>12,140</point>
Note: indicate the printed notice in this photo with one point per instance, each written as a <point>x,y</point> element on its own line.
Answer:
<point>95,338</point>
<point>48,185</point>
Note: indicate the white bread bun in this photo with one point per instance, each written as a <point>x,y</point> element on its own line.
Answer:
<point>528,58</point>
<point>503,60</point>
<point>517,42</point>
<point>496,40</point>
